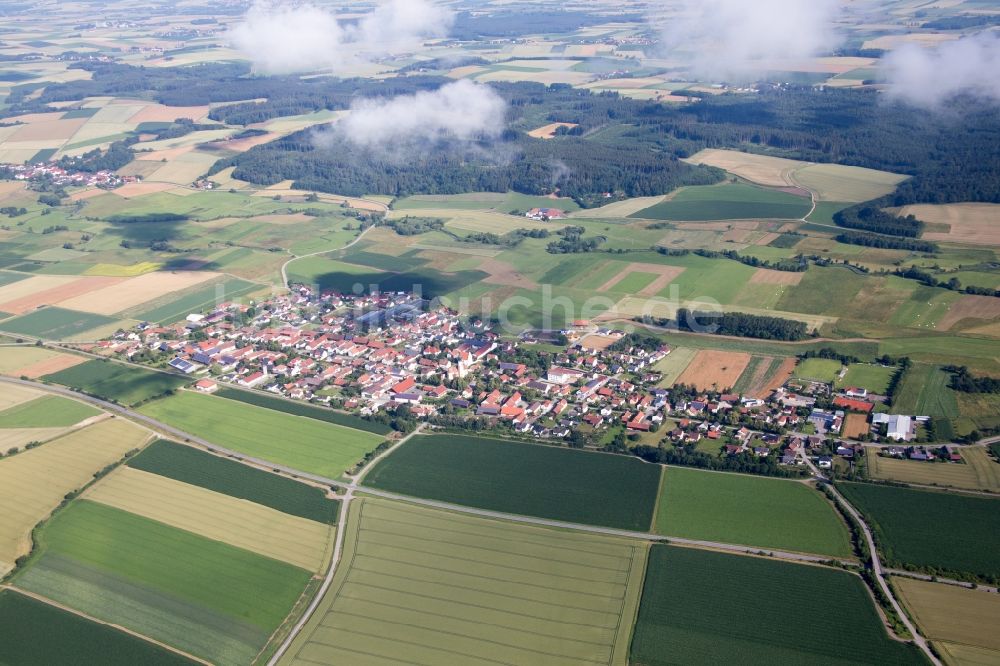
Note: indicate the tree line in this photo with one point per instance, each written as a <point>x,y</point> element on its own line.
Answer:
<point>867,239</point>
<point>739,324</point>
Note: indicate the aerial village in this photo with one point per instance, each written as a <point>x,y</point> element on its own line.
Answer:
<point>375,354</point>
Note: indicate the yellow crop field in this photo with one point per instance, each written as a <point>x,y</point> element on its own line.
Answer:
<point>260,529</point>
<point>829,182</point>
<point>952,613</point>
<point>17,438</point>
<point>619,208</point>
<point>835,182</point>
<point>34,482</point>
<point>979,472</point>
<point>118,270</point>
<point>17,361</point>
<point>973,223</point>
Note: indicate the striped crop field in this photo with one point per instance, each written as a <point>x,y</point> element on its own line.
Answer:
<point>205,597</point>
<point>432,587</point>
<point>199,468</point>
<point>259,529</point>
<point>33,483</point>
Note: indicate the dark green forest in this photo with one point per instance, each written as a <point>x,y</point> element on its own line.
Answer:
<point>623,146</point>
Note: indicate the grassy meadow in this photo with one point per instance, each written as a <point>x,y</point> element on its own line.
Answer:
<point>749,510</point>
<point>434,587</point>
<point>530,479</point>
<point>702,607</point>
<point>299,442</point>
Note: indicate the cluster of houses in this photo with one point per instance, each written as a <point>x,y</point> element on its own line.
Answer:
<point>55,174</point>
<point>545,214</point>
<point>371,353</point>
<point>923,453</point>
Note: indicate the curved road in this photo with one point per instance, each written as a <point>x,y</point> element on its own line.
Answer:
<point>284,266</point>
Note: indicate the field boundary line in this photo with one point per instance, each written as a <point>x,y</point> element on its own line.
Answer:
<point>91,618</point>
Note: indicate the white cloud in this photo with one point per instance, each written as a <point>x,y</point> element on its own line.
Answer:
<point>282,38</point>
<point>929,77</point>
<point>457,113</point>
<point>733,39</point>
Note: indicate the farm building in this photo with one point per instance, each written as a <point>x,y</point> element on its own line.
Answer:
<point>897,427</point>
<point>545,214</point>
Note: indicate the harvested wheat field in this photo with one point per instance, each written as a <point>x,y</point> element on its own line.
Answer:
<point>620,209</point>
<point>157,113</point>
<point>34,482</point>
<point>58,294</point>
<point>549,131</point>
<point>760,169</point>
<point>767,276</point>
<point>970,307</point>
<point>855,425</point>
<point>48,366</point>
<point>712,369</point>
<point>972,223</point>
<point>254,527</point>
<point>12,395</point>
<point>11,293</point>
<point>598,342</point>
<point>779,377</point>
<point>55,130</point>
<point>136,291</point>
<point>952,613</point>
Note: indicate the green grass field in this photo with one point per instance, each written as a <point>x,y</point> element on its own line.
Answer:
<point>875,378</point>
<point>119,383</point>
<point>727,202</point>
<point>748,510</point>
<point>37,634</point>
<point>957,533</point>
<point>818,369</point>
<point>422,586</point>
<point>701,607</point>
<point>529,479</point>
<point>48,411</point>
<point>302,443</point>
<point>56,323</point>
<point>299,408</point>
<point>924,391</point>
<point>205,597</point>
<point>229,477</point>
